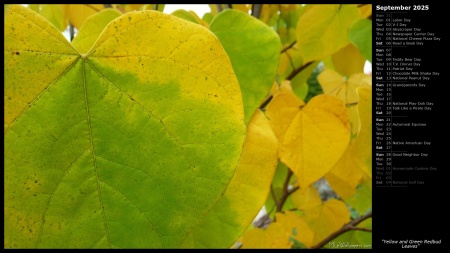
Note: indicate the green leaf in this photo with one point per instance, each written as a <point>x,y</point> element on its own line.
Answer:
<point>121,147</point>
<point>92,27</point>
<point>360,35</point>
<point>207,17</point>
<point>323,29</point>
<point>244,196</point>
<point>361,201</point>
<point>254,51</point>
<point>184,14</point>
<point>53,13</point>
<point>353,239</point>
<point>299,82</point>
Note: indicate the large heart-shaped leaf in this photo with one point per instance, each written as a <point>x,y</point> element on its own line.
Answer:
<point>245,195</point>
<point>127,146</point>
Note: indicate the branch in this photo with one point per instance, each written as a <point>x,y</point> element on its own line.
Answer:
<point>71,31</point>
<point>290,77</point>
<point>256,10</point>
<point>288,47</point>
<point>347,227</point>
<point>361,229</point>
<point>298,70</point>
<point>286,193</point>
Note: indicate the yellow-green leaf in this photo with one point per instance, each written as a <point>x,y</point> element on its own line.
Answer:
<point>186,15</point>
<point>245,194</point>
<point>353,239</point>
<point>91,29</point>
<point>121,147</point>
<point>323,29</point>
<point>360,34</point>
<point>361,201</point>
<point>326,218</point>
<point>273,237</point>
<point>295,227</point>
<point>315,138</point>
<point>254,51</point>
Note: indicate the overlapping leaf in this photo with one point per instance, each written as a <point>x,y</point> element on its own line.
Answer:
<point>254,51</point>
<point>119,147</point>
<point>326,218</point>
<point>92,28</point>
<point>78,13</point>
<point>360,34</point>
<point>323,29</point>
<point>348,60</point>
<point>312,137</point>
<point>53,13</point>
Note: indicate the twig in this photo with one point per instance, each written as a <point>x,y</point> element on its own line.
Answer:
<point>291,75</point>
<point>288,47</point>
<point>256,10</point>
<point>361,229</point>
<point>298,70</point>
<point>71,31</point>
<point>286,193</point>
<point>347,227</point>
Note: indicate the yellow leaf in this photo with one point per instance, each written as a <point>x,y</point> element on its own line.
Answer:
<point>363,142</point>
<point>348,60</point>
<point>357,159</point>
<point>132,7</point>
<point>199,20</point>
<point>316,137</point>
<point>306,199</point>
<point>295,227</point>
<point>334,84</point>
<point>345,175</point>
<point>267,11</point>
<point>326,218</point>
<point>273,237</point>
<point>242,7</point>
<point>365,10</point>
<point>78,13</point>
<point>323,29</point>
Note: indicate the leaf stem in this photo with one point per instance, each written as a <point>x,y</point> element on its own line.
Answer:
<point>347,227</point>
<point>286,192</point>
<point>288,47</point>
<point>298,70</point>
